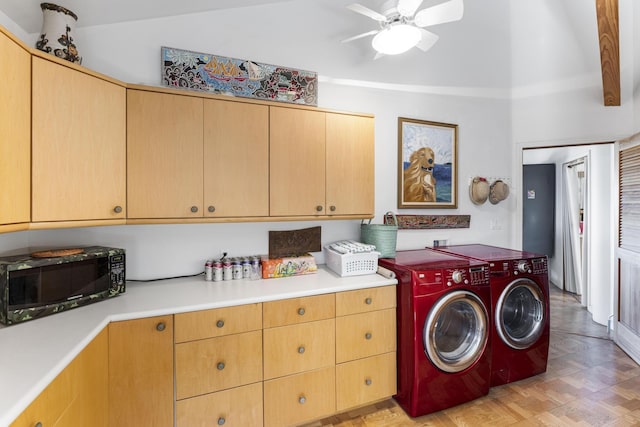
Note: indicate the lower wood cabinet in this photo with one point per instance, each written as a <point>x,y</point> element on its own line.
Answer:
<point>365,380</point>
<point>77,396</point>
<point>280,363</point>
<point>214,364</point>
<point>141,372</point>
<point>240,406</point>
<point>295,399</point>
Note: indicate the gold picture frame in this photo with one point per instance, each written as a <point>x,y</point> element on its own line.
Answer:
<point>427,164</point>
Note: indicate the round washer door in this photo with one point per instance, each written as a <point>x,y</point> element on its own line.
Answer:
<point>520,314</point>
<point>455,332</point>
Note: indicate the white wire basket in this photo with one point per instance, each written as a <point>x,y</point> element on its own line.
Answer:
<point>351,264</point>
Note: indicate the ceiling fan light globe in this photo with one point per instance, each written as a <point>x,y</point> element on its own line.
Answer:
<point>396,39</point>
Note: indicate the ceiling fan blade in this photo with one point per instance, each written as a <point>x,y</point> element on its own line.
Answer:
<point>367,12</point>
<point>359,36</point>
<point>427,40</point>
<point>440,14</point>
<point>408,7</point>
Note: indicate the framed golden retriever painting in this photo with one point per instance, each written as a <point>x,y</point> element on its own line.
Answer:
<point>427,164</point>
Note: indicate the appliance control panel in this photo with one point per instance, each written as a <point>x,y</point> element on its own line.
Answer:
<point>529,266</point>
<point>474,276</point>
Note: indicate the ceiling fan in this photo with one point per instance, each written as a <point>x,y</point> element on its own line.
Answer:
<point>402,24</point>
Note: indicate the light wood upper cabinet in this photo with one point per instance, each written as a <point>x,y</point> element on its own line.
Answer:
<point>78,145</point>
<point>236,159</point>
<point>141,372</point>
<point>350,165</point>
<point>15,132</point>
<point>297,156</point>
<point>164,155</point>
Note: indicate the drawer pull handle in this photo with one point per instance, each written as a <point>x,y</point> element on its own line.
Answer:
<point>319,208</point>
<point>194,209</point>
<point>212,209</point>
<point>160,327</point>
<point>220,366</point>
<point>368,381</point>
<point>38,424</point>
<point>221,421</point>
<point>301,311</point>
<point>117,209</point>
<point>332,208</point>
<point>302,400</point>
<point>368,335</point>
<point>368,301</point>
<point>220,323</point>
<point>301,349</point>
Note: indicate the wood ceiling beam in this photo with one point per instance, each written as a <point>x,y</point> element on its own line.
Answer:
<point>609,37</point>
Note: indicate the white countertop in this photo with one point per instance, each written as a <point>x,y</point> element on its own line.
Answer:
<point>33,353</point>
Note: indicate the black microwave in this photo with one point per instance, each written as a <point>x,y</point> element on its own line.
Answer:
<point>36,285</point>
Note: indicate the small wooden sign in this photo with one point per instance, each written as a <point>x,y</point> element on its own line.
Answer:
<point>413,222</point>
<point>294,242</point>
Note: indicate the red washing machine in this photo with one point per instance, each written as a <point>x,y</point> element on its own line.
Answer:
<point>443,320</point>
<point>520,307</point>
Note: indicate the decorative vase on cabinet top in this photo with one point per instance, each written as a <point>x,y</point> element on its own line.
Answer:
<point>58,28</point>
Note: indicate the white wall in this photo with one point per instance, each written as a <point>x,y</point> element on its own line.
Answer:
<point>131,52</point>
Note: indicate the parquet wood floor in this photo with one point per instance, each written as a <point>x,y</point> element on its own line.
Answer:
<point>589,382</point>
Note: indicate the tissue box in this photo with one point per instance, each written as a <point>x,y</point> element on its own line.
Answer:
<point>288,266</point>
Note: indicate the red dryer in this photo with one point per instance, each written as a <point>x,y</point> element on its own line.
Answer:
<point>520,307</point>
<point>443,322</point>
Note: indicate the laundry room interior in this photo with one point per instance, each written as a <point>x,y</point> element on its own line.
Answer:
<point>496,92</point>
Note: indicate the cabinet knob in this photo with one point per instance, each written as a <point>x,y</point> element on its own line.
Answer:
<point>368,381</point>
<point>194,209</point>
<point>161,326</point>
<point>319,208</point>
<point>38,424</point>
<point>220,323</point>
<point>212,209</point>
<point>302,400</point>
<point>301,349</point>
<point>117,209</point>
<point>301,311</point>
<point>368,301</point>
<point>221,421</point>
<point>368,335</point>
<point>332,208</point>
<point>220,366</point>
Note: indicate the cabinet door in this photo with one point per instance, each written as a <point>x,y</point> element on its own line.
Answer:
<point>298,398</point>
<point>78,395</point>
<point>298,348</point>
<point>236,159</point>
<point>241,407</point>
<point>365,381</point>
<point>78,145</point>
<point>365,334</point>
<point>350,165</point>
<point>141,372</point>
<point>297,162</point>
<point>15,132</point>
<point>214,364</point>
<point>164,155</point>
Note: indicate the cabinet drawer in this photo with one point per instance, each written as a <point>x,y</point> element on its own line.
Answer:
<point>299,398</point>
<point>365,334</point>
<point>205,366</point>
<point>298,310</point>
<point>365,381</point>
<point>364,300</point>
<point>217,322</point>
<point>241,406</point>
<point>296,348</point>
